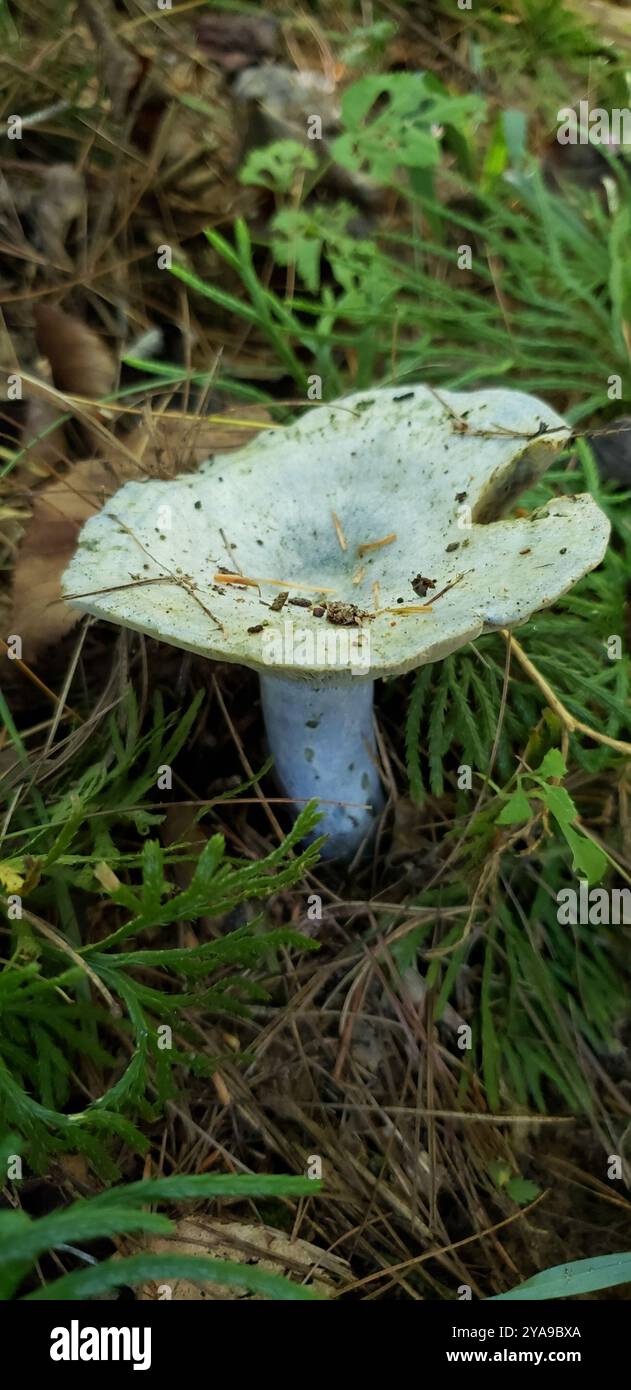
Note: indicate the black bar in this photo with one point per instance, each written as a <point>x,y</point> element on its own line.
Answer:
<point>181,1339</point>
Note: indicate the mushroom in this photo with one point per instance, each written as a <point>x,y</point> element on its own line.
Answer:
<point>362,541</point>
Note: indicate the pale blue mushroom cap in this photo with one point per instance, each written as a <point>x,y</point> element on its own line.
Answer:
<point>436,471</point>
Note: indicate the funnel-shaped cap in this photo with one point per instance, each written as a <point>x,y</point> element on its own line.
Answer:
<point>360,514</point>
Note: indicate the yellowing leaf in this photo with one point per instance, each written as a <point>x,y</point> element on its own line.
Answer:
<point>10,876</point>
<point>106,877</point>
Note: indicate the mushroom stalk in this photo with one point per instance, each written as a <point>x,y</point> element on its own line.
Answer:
<point>322,737</point>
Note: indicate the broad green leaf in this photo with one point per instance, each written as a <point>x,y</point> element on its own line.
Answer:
<point>388,123</point>
<point>570,1280</point>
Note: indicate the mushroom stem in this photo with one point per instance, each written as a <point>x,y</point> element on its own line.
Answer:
<point>322,737</point>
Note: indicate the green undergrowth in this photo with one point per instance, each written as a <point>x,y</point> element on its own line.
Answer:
<point>479,270</point>
<point>62,1001</point>
<point>539,985</point>
<point>544,40</point>
<point>491,274</point>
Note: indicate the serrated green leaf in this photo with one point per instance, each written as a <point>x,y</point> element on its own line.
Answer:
<point>297,240</point>
<point>558,802</point>
<point>522,1190</point>
<point>517,808</point>
<point>552,765</point>
<point>588,860</point>
<point>277,165</point>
